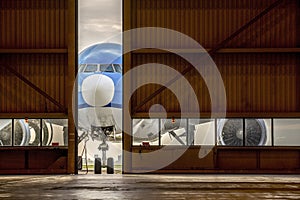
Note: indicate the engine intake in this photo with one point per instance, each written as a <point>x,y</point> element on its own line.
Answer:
<point>230,132</point>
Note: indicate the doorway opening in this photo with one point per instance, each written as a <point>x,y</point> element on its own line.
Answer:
<point>99,86</point>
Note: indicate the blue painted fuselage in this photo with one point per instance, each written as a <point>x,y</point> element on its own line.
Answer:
<point>106,54</point>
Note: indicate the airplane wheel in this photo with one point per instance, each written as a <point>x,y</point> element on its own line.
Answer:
<point>110,166</point>
<point>98,166</point>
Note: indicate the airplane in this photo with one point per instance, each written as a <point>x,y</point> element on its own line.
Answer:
<point>100,99</point>
<point>100,86</point>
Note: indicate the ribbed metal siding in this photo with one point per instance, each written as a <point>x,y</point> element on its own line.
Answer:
<point>33,24</point>
<point>210,22</point>
<point>260,83</point>
<point>253,82</point>
<point>46,71</point>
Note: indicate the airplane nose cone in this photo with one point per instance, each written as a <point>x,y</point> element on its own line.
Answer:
<point>98,90</point>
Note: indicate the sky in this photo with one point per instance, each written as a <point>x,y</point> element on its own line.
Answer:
<point>99,21</point>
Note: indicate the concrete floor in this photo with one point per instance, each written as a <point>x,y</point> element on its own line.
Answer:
<point>103,186</point>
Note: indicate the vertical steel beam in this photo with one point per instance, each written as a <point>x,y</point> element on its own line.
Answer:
<point>127,124</point>
<point>70,80</point>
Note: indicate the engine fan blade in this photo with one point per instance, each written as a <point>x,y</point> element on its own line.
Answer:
<point>230,132</point>
<point>21,133</point>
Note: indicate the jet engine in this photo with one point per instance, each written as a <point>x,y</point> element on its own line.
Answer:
<point>5,132</point>
<point>26,132</point>
<point>230,132</point>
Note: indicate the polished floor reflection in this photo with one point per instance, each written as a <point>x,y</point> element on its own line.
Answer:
<point>103,186</point>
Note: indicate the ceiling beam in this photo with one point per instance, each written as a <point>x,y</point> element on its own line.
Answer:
<point>221,51</point>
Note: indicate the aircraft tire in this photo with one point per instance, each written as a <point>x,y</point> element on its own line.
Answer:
<point>98,166</point>
<point>110,166</point>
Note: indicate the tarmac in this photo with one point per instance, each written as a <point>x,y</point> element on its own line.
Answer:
<point>158,187</point>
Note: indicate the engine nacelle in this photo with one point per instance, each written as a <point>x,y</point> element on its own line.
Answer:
<point>230,132</point>
<point>26,133</point>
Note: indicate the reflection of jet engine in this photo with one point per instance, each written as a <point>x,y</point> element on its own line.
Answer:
<point>171,124</point>
<point>5,133</point>
<point>230,132</point>
<point>26,133</point>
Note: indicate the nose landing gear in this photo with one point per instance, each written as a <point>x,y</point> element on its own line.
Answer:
<point>102,133</point>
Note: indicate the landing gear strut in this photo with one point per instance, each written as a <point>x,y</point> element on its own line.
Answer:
<point>102,133</point>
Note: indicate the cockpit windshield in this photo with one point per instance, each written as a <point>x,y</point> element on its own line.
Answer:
<point>106,68</point>
<point>91,68</point>
<point>118,68</point>
<point>81,67</point>
<point>111,68</point>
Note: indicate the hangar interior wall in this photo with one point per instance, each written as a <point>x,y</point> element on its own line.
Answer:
<point>259,67</point>
<point>254,80</point>
<point>39,27</point>
<point>37,59</point>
